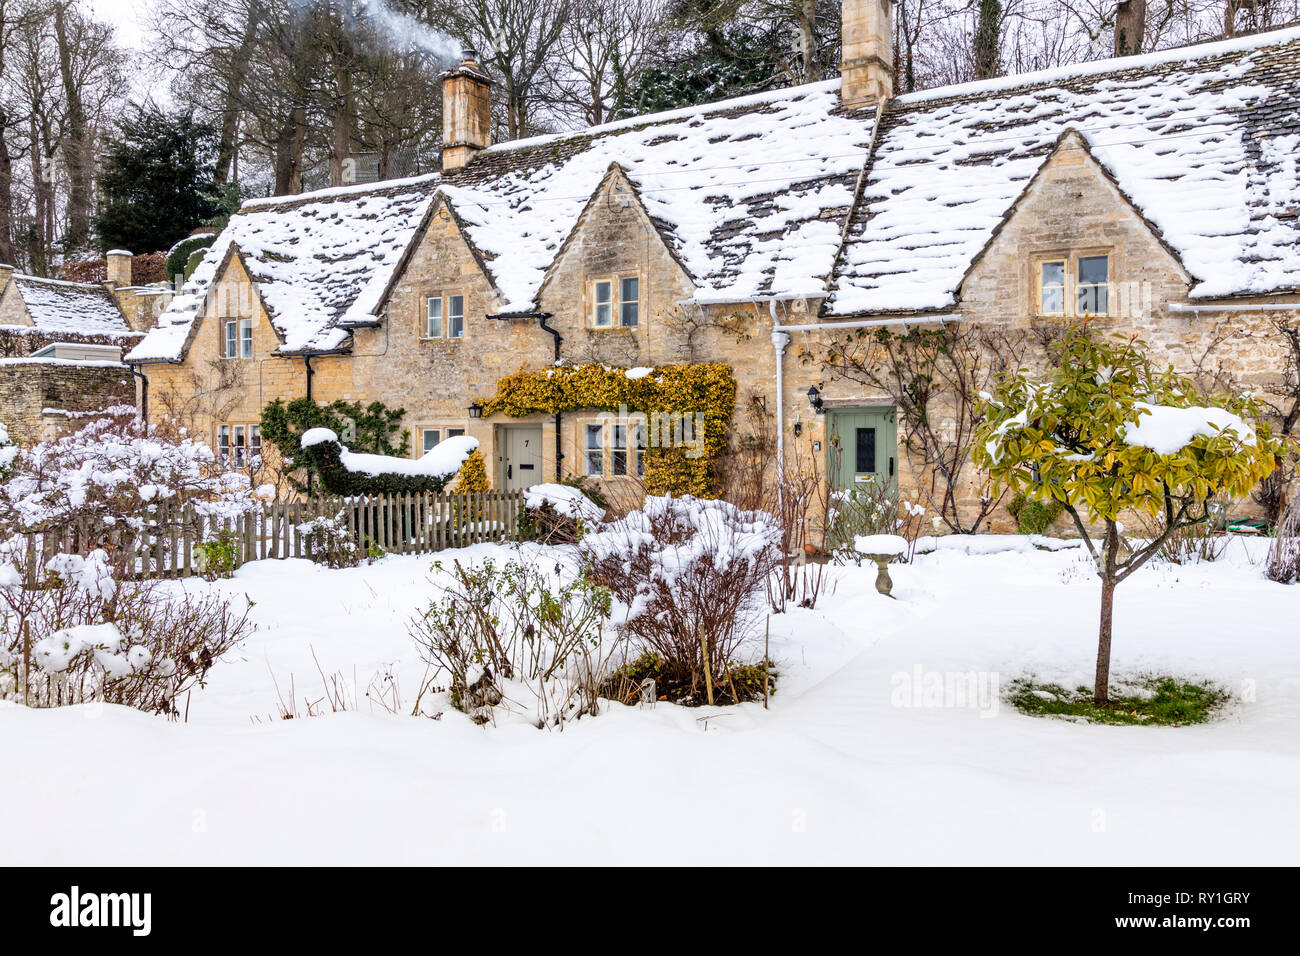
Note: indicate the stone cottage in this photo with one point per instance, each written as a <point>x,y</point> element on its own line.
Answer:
<point>61,345</point>
<point>1158,194</point>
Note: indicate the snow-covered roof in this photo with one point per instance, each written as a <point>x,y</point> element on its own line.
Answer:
<point>1202,140</point>
<point>753,195</point>
<point>56,306</point>
<point>750,195</point>
<point>315,260</point>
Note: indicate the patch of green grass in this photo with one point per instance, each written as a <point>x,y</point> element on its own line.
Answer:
<point>1166,701</point>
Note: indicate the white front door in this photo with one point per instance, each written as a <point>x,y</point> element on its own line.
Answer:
<point>521,458</point>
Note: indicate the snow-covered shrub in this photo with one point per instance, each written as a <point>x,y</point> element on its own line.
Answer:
<point>557,514</point>
<point>515,632</point>
<point>106,478</point>
<point>329,541</point>
<point>1284,552</point>
<point>687,573</point>
<point>71,633</point>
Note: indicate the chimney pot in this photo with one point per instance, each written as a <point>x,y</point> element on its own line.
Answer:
<point>867,73</point>
<point>118,269</point>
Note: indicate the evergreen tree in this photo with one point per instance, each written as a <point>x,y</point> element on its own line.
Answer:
<point>739,58</point>
<point>157,184</point>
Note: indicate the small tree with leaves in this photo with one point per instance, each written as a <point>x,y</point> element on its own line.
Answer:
<point>1108,433</point>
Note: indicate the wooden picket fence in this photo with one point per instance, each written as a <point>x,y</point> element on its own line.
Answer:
<point>397,524</point>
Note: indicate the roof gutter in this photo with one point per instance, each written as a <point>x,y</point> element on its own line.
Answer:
<point>1193,307</point>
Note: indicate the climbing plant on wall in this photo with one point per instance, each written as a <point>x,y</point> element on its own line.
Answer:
<point>373,428</point>
<point>705,392</point>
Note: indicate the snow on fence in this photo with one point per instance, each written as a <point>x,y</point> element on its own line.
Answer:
<point>401,524</point>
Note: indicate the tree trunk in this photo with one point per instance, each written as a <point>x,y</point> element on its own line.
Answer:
<point>77,151</point>
<point>1110,555</point>
<point>1101,688</point>
<point>988,40</point>
<point>6,192</point>
<point>288,153</point>
<point>1130,26</point>
<point>808,38</point>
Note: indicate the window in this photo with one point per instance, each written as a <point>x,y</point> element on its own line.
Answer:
<point>627,304</point>
<point>1094,285</point>
<point>237,338</point>
<point>429,437</point>
<point>1079,286</point>
<point>602,297</point>
<point>638,432</point>
<point>618,456</point>
<point>239,444</point>
<point>433,320</point>
<point>444,317</point>
<point>631,301</point>
<point>595,451</point>
<point>1051,287</point>
<point>455,316</point>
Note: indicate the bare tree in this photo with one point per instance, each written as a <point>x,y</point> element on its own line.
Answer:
<point>518,40</point>
<point>603,45</point>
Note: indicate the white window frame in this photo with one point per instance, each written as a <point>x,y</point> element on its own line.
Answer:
<point>442,431</point>
<point>602,310</point>
<point>589,450</point>
<point>238,443</point>
<point>624,303</point>
<point>450,319</point>
<point>454,310</point>
<point>429,318</point>
<point>1080,286</point>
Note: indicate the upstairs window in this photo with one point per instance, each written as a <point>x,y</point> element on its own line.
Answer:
<point>1093,291</point>
<point>433,319</point>
<point>237,338</point>
<point>1074,286</point>
<point>616,301</point>
<point>629,306</point>
<point>1051,287</point>
<point>444,317</point>
<point>455,316</point>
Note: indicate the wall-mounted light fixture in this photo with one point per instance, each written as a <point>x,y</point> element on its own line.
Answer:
<point>476,410</point>
<point>815,400</point>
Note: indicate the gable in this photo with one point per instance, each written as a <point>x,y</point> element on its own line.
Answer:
<point>614,233</point>
<point>1198,138</point>
<point>1071,206</point>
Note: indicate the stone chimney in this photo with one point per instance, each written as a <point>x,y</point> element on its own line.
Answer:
<point>119,267</point>
<point>867,73</point>
<point>466,112</point>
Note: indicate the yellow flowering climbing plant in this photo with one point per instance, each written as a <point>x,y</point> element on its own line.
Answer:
<point>707,390</point>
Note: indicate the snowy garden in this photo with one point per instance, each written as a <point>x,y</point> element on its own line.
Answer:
<point>895,696</point>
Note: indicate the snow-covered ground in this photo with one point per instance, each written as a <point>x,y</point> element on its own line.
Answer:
<point>840,770</point>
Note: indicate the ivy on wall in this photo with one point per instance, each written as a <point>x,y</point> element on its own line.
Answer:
<point>376,429</point>
<point>706,390</point>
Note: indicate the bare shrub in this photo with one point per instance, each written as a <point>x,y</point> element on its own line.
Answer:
<point>690,574</point>
<point>70,633</point>
<point>329,541</point>
<point>515,634</point>
<point>1284,552</point>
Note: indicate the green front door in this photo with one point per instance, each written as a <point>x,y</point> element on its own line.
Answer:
<point>861,447</point>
